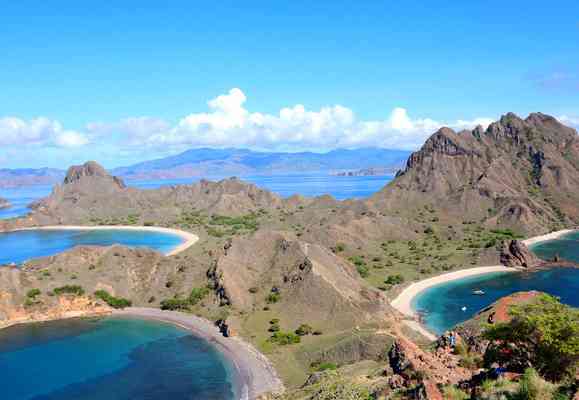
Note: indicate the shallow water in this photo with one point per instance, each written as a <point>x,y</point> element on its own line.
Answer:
<point>17,247</point>
<point>110,359</point>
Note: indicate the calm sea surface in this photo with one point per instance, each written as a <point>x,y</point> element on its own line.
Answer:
<point>17,247</point>
<point>110,359</point>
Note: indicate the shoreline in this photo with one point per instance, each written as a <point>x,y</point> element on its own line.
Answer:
<point>255,374</point>
<point>403,302</point>
<point>548,236</point>
<point>189,239</point>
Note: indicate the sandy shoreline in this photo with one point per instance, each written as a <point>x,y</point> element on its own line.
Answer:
<point>189,239</point>
<point>548,236</point>
<point>403,302</point>
<point>255,373</point>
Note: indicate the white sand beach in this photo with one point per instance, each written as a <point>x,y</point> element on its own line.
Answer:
<point>189,239</point>
<point>403,302</point>
<point>548,236</point>
<point>255,373</point>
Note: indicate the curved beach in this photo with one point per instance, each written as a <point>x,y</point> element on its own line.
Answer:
<point>548,236</point>
<point>189,239</point>
<point>255,374</point>
<point>403,302</point>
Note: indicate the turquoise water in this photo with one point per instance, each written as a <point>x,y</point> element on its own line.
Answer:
<point>17,247</point>
<point>110,359</point>
<point>566,247</point>
<point>341,187</point>
<point>441,305</point>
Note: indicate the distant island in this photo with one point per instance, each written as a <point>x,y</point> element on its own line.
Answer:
<point>227,162</point>
<point>373,171</point>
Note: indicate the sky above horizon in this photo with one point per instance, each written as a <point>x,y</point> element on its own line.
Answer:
<point>122,82</point>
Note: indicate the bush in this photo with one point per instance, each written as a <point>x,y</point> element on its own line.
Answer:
<point>115,302</point>
<point>325,366</point>
<point>532,387</point>
<point>363,271</point>
<point>197,294</point>
<point>543,334</point>
<point>273,298</point>
<point>69,289</point>
<point>303,330</point>
<point>394,279</point>
<point>32,293</point>
<point>175,304</point>
<point>340,247</point>
<point>285,338</point>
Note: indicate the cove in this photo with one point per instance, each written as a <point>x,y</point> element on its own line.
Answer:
<point>115,358</point>
<point>441,306</point>
<point>19,246</point>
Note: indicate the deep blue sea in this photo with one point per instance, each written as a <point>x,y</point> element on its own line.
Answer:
<point>110,359</point>
<point>17,247</point>
<point>441,305</point>
<point>341,187</point>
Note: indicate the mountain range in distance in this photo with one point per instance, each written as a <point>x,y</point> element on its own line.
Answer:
<point>231,162</point>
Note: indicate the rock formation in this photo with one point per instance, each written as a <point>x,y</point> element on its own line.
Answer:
<point>519,173</point>
<point>515,253</point>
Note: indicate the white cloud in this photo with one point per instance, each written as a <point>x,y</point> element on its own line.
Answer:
<point>227,123</point>
<point>568,120</point>
<point>38,131</point>
<point>230,124</point>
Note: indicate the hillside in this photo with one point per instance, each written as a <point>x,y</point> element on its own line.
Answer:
<point>216,162</point>
<point>518,173</point>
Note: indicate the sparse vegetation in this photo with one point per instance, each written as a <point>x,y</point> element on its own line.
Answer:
<point>76,290</point>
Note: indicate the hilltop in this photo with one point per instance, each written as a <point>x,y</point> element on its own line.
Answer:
<point>517,173</point>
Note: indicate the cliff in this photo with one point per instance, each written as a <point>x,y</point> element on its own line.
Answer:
<point>518,173</point>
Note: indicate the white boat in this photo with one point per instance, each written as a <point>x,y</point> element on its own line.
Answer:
<point>478,292</point>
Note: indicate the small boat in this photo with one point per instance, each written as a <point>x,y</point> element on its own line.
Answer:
<point>463,308</point>
<point>478,292</point>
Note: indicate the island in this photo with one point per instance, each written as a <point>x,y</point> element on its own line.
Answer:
<point>305,285</point>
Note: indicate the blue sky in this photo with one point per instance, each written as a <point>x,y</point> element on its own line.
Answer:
<point>77,79</point>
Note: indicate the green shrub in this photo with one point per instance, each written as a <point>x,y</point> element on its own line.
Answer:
<point>363,271</point>
<point>273,298</point>
<point>115,302</point>
<point>325,366</point>
<point>175,304</point>
<point>285,338</point>
<point>303,330</point>
<point>32,293</point>
<point>543,333</point>
<point>395,279</point>
<point>533,387</point>
<point>69,289</point>
<point>197,294</point>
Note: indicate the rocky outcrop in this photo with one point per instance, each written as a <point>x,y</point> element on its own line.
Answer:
<point>296,276</point>
<point>90,169</point>
<point>515,253</point>
<point>518,173</point>
<point>4,203</point>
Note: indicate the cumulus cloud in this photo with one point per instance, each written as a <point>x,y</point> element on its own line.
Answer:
<point>229,124</point>
<point>38,131</point>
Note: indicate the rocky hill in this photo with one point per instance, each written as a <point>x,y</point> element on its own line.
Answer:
<point>89,193</point>
<point>220,162</point>
<point>519,173</point>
